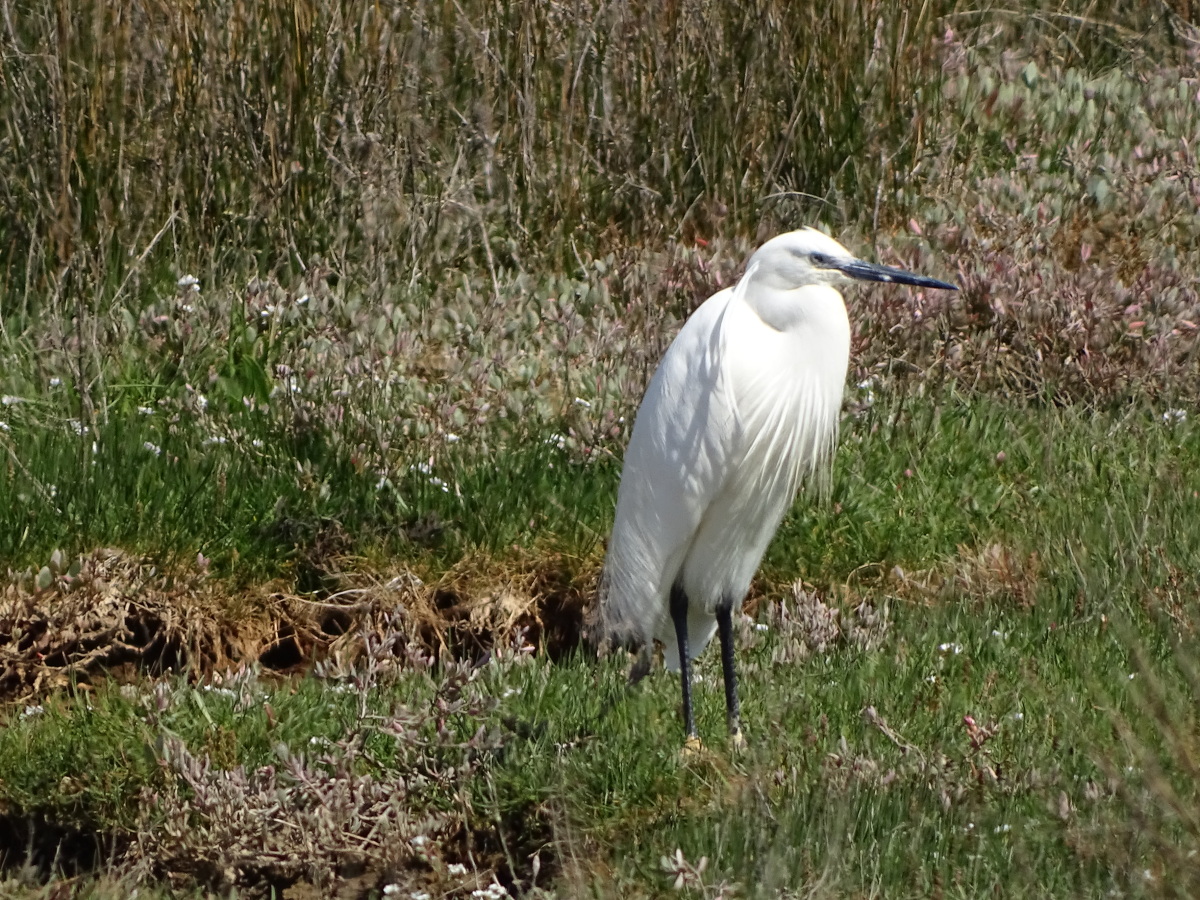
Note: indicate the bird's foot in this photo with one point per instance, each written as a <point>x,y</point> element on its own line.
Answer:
<point>737,740</point>
<point>692,748</point>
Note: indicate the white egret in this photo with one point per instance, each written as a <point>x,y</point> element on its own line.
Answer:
<point>742,410</point>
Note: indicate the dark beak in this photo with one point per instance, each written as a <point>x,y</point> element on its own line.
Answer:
<point>865,271</point>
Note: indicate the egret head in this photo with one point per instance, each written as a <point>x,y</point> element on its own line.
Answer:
<point>800,258</point>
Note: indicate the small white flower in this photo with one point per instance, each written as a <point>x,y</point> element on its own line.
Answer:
<point>579,401</point>
<point>456,869</point>
<point>30,711</point>
<point>214,439</point>
<point>419,841</point>
<point>146,410</point>
<point>257,444</point>
<point>300,301</point>
<point>153,448</point>
<point>955,647</point>
<point>4,426</point>
<point>189,281</point>
<point>202,402</point>
<point>1019,716</point>
<point>761,626</point>
<point>1171,416</point>
<point>419,895</point>
<point>10,400</point>
<point>1132,675</point>
<point>494,891</point>
<point>1002,829</point>
<point>55,382</point>
<point>868,392</point>
<point>452,438</point>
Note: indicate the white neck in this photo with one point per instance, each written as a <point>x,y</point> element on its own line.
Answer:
<point>816,308</point>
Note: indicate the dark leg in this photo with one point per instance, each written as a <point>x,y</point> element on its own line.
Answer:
<point>679,605</point>
<point>732,710</point>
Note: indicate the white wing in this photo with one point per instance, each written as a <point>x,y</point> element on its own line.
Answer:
<point>675,464</point>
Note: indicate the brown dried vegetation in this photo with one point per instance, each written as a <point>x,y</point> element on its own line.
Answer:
<point>332,814</point>
<point>113,614</point>
<point>991,574</point>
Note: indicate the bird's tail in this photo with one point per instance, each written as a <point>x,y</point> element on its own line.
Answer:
<point>607,627</point>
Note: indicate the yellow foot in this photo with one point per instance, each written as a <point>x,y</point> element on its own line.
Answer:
<point>738,740</point>
<point>692,747</point>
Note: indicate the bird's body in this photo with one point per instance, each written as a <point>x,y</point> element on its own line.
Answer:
<point>737,414</point>
<point>743,409</point>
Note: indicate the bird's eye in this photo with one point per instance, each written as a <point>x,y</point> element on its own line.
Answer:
<point>820,260</point>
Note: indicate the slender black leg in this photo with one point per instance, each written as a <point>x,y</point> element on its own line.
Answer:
<point>732,710</point>
<point>679,605</point>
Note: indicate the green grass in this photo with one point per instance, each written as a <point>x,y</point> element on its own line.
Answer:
<point>1078,663</point>
<point>823,799</point>
<point>910,488</point>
